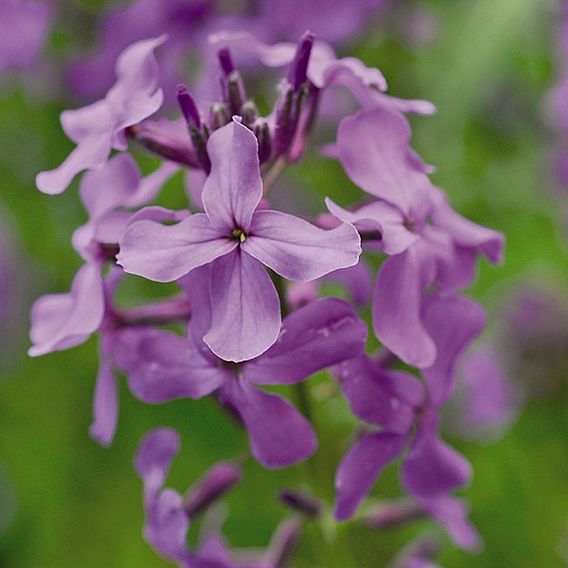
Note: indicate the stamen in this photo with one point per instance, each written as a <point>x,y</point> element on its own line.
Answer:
<point>239,235</point>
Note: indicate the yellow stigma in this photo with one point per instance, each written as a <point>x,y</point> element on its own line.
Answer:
<point>239,234</point>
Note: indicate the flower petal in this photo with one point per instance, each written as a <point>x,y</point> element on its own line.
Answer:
<point>320,334</point>
<point>298,250</point>
<point>373,148</point>
<point>279,434</point>
<point>233,189</point>
<point>163,366</point>
<point>245,308</point>
<point>155,455</point>
<point>61,321</point>
<point>165,253</point>
<point>432,468</point>
<point>385,398</point>
<point>397,301</point>
<point>453,323</point>
<point>360,469</point>
<point>105,406</point>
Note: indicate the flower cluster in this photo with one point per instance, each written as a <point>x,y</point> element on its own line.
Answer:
<point>248,311</point>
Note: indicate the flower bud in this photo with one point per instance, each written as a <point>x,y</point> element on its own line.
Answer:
<point>302,502</point>
<point>211,487</point>
<point>284,543</point>
<point>188,106</point>
<point>393,514</point>
<point>298,68</point>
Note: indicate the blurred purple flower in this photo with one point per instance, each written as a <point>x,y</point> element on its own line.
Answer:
<point>23,27</point>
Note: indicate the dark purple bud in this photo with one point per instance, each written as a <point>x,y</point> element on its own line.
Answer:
<point>219,116</point>
<point>287,116</point>
<point>299,66</point>
<point>188,106</point>
<point>284,543</point>
<point>393,514</point>
<point>226,61</point>
<point>211,487</point>
<point>302,502</point>
<point>234,92</point>
<point>163,144</point>
<point>262,132</point>
<point>249,112</point>
<point>305,124</point>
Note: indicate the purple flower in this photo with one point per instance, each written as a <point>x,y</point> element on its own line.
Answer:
<point>162,366</point>
<point>100,127</point>
<point>234,239</point>
<point>428,242</point>
<point>395,402</point>
<point>23,26</point>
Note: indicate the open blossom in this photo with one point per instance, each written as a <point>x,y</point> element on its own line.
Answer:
<point>162,366</point>
<point>395,402</point>
<point>99,127</point>
<point>236,239</point>
<point>427,241</point>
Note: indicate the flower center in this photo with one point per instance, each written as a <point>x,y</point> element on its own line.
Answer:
<point>239,235</point>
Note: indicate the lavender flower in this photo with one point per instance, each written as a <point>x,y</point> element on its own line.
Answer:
<point>234,240</point>
<point>99,127</point>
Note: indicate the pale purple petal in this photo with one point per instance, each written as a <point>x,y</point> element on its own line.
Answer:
<point>357,281</point>
<point>233,189</point>
<point>397,302</point>
<point>167,525</point>
<point>464,232</point>
<point>279,434</point>
<point>320,334</point>
<point>385,398</point>
<point>452,513</point>
<point>91,153</point>
<point>360,469</point>
<point>373,147</point>
<point>105,404</point>
<point>245,308</point>
<point>150,185</point>
<point>352,73</point>
<point>111,186</point>
<point>163,366</point>
<point>432,468</point>
<point>60,321</point>
<point>165,253</point>
<point>382,217</point>
<point>453,323</point>
<point>298,250</point>
<point>155,455</point>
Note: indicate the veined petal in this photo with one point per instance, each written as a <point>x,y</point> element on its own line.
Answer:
<point>233,189</point>
<point>373,147</point>
<point>245,308</point>
<point>360,469</point>
<point>298,250</point>
<point>320,334</point>
<point>163,366</point>
<point>279,434</point>
<point>397,303</point>
<point>165,253</point>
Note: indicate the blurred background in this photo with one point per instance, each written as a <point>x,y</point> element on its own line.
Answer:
<point>489,66</point>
